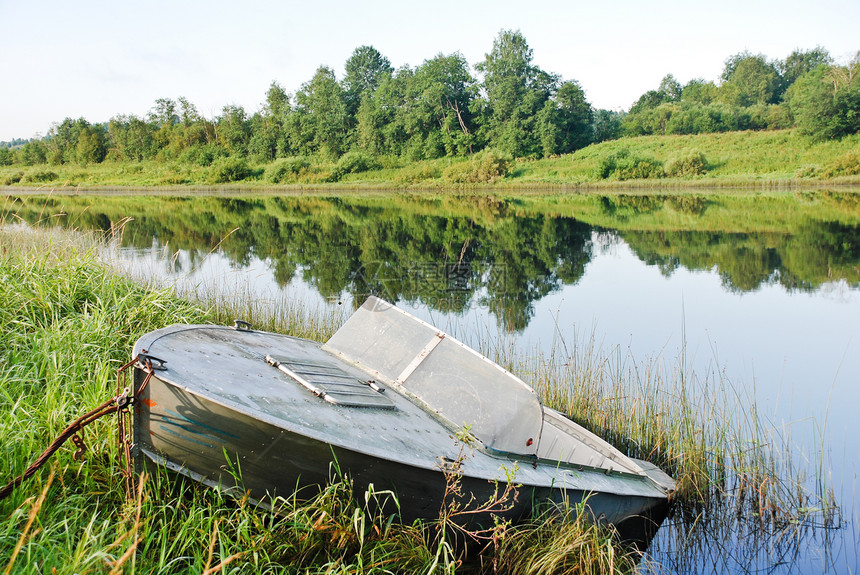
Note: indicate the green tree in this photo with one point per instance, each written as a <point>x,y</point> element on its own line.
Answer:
<point>62,140</point>
<point>825,102</point>
<point>574,117</point>
<point>670,88</point>
<point>365,69</point>
<point>268,139</point>
<point>91,148</point>
<point>698,91</point>
<point>163,113</point>
<point>749,80</point>
<point>34,152</point>
<point>7,156</point>
<point>130,138</point>
<point>192,129</point>
<point>233,130</point>
<point>607,125</point>
<point>443,90</point>
<point>319,122</point>
<point>385,121</point>
<point>516,92</point>
<point>800,62</point>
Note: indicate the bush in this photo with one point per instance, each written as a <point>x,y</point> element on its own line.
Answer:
<point>806,172</point>
<point>13,178</point>
<point>355,162</point>
<point>287,168</point>
<point>623,165</point>
<point>485,167</point>
<point>231,170</point>
<point>848,164</point>
<point>418,172</point>
<point>40,176</point>
<point>202,155</point>
<point>691,163</point>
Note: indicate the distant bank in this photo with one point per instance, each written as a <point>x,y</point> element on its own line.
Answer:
<point>730,159</point>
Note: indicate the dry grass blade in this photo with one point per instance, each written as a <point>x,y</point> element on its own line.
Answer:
<point>33,512</point>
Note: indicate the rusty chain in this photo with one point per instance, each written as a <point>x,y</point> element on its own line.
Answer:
<point>118,404</point>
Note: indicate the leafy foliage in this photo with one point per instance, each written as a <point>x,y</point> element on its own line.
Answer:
<point>355,161</point>
<point>287,168</point>
<point>40,176</point>
<point>623,165</point>
<point>231,169</point>
<point>485,167</point>
<point>847,164</point>
<point>202,154</point>
<point>691,163</point>
<point>826,101</point>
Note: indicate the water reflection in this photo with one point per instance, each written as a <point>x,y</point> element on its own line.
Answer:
<point>449,253</point>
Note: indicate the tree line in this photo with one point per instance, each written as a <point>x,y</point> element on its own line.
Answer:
<point>506,252</point>
<point>807,90</point>
<point>445,108</point>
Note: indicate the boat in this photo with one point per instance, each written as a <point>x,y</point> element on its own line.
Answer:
<point>394,403</point>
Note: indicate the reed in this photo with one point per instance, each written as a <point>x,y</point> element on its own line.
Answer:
<point>739,477</point>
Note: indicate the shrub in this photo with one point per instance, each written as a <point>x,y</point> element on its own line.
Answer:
<point>202,155</point>
<point>355,162</point>
<point>691,163</point>
<point>231,169</point>
<point>13,178</point>
<point>40,176</point>
<point>806,172</point>
<point>418,172</point>
<point>287,168</point>
<point>623,165</point>
<point>848,164</point>
<point>485,167</point>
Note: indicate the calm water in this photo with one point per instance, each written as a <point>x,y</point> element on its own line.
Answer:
<point>760,290</point>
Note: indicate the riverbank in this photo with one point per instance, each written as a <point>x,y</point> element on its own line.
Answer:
<point>765,159</point>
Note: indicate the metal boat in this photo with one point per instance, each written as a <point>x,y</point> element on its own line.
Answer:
<point>389,398</point>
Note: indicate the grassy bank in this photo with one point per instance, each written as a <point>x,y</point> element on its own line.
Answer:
<point>68,322</point>
<point>732,159</point>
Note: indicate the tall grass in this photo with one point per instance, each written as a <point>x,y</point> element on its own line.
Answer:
<point>705,432</point>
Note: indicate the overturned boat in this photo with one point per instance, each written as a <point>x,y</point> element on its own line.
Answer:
<point>391,399</point>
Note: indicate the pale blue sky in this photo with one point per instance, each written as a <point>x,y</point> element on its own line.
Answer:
<point>99,58</point>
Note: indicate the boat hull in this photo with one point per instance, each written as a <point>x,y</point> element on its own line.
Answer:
<point>218,440</point>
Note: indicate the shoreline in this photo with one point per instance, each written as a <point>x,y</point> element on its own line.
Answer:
<point>767,160</point>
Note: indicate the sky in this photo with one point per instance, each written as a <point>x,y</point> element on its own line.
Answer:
<point>97,59</point>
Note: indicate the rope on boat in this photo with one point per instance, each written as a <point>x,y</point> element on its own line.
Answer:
<point>118,404</point>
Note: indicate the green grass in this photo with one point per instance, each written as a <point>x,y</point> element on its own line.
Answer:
<point>68,322</point>
<point>732,159</point>
<point>769,158</point>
